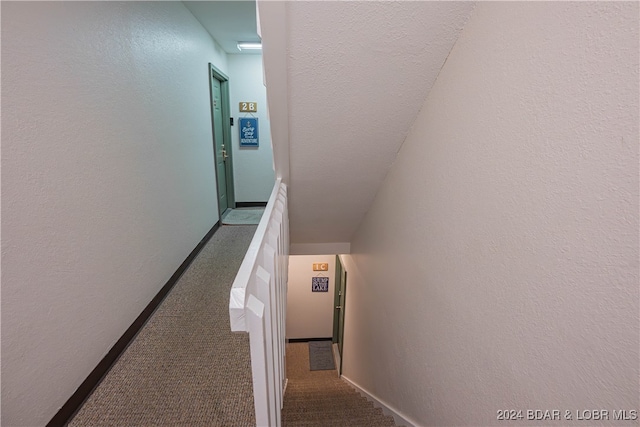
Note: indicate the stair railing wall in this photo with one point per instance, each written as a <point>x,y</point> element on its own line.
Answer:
<point>258,303</point>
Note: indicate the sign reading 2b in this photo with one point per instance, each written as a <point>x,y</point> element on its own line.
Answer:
<point>248,132</point>
<point>248,107</point>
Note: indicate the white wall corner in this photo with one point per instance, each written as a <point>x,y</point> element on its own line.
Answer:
<point>274,36</point>
<point>398,417</point>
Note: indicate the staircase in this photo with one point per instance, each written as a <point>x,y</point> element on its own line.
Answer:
<point>321,398</point>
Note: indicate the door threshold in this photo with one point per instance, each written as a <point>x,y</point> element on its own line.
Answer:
<point>224,214</point>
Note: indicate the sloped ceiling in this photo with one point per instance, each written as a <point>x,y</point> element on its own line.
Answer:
<point>358,73</point>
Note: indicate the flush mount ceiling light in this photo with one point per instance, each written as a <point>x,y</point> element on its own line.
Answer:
<point>249,46</point>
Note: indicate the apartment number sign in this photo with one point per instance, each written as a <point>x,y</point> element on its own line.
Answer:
<point>248,107</point>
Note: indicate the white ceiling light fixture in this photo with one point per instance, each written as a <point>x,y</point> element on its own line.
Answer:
<point>249,46</point>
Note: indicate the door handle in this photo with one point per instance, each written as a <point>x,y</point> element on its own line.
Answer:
<point>339,307</point>
<point>224,153</point>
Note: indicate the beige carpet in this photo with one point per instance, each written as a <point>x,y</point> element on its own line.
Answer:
<point>322,399</point>
<point>185,367</point>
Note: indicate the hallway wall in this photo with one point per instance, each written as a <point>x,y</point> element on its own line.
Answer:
<point>498,265</point>
<point>252,167</point>
<point>107,181</point>
<point>309,314</point>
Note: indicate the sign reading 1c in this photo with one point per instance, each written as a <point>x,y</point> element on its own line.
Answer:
<point>248,107</point>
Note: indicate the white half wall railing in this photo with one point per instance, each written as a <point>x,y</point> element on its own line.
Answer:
<point>258,303</point>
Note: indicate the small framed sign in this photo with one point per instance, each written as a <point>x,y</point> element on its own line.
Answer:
<point>248,132</point>
<point>319,284</point>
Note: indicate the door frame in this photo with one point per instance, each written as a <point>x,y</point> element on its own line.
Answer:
<point>215,73</point>
<point>336,299</point>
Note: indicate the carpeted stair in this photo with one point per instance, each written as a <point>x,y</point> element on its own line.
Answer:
<point>321,398</point>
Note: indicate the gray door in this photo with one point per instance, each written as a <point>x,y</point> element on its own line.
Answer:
<point>220,120</point>
<point>343,292</point>
<point>219,144</point>
<point>338,312</point>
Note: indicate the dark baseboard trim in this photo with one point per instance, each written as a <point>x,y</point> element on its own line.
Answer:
<point>309,339</point>
<point>85,389</point>
<point>250,204</point>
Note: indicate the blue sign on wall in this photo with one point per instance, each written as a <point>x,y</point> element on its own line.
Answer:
<point>248,132</point>
<point>319,284</point>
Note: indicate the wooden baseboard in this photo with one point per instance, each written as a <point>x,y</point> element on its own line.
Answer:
<point>74,403</point>
<point>308,339</point>
<point>250,204</point>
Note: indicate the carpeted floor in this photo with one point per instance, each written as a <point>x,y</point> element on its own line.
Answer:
<point>322,399</point>
<point>185,367</point>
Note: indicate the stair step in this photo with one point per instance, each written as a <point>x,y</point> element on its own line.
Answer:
<point>323,404</point>
<point>321,394</point>
<point>338,411</point>
<point>334,413</point>
<point>338,386</point>
<point>347,422</point>
<point>305,397</point>
<point>330,402</point>
<point>330,407</point>
<point>324,400</point>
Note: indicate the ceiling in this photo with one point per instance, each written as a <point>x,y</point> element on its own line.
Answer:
<point>357,74</point>
<point>228,22</point>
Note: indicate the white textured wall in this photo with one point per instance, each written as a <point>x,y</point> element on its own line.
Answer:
<point>309,314</point>
<point>274,33</point>
<point>252,167</point>
<point>108,181</point>
<point>498,265</point>
<point>319,248</point>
